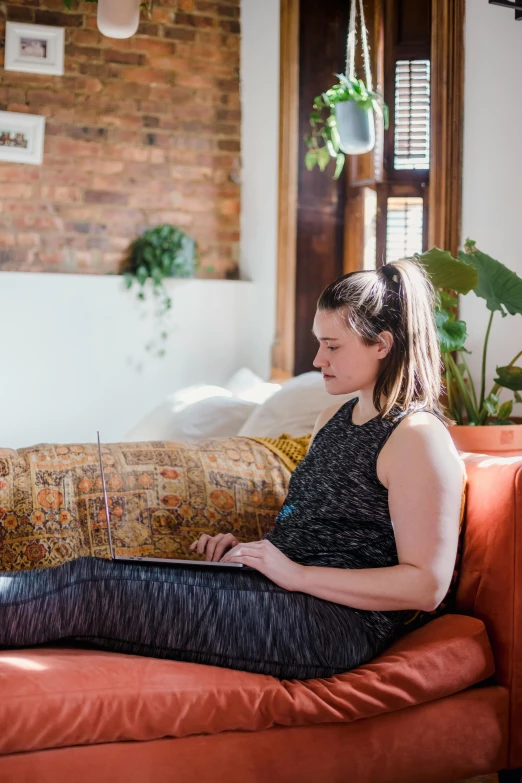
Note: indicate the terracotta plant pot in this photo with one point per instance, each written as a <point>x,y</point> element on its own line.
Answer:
<point>356,128</point>
<point>118,18</point>
<point>488,440</point>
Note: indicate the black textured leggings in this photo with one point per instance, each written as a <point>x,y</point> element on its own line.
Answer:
<point>232,618</point>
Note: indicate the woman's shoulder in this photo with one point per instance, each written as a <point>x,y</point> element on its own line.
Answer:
<point>421,438</point>
<point>422,427</point>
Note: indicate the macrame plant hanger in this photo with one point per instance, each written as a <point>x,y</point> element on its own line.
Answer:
<point>351,43</point>
<point>356,125</point>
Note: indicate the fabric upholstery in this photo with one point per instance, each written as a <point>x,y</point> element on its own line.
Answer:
<point>490,586</point>
<point>55,697</point>
<point>446,739</point>
<point>162,496</point>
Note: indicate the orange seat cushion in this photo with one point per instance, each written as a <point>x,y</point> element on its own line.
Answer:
<point>57,696</point>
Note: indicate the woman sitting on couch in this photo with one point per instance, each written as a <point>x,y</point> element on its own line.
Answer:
<point>367,533</point>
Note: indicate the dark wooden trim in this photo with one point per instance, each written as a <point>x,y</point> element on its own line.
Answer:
<point>447,118</point>
<point>283,347</point>
<point>321,200</point>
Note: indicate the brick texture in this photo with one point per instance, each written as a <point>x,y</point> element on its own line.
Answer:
<point>139,132</point>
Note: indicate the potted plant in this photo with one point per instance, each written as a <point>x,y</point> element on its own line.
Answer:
<point>342,118</point>
<point>475,410</point>
<point>160,253</point>
<point>342,121</point>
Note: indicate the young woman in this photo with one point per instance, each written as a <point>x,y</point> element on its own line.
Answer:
<point>368,530</point>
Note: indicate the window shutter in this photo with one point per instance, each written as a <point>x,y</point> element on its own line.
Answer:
<point>412,115</point>
<point>404,227</point>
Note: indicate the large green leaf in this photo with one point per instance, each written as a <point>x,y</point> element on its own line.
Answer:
<point>310,159</point>
<point>447,300</point>
<point>505,410</point>
<point>452,334</point>
<point>448,272</point>
<point>509,377</point>
<point>497,284</point>
<point>491,404</point>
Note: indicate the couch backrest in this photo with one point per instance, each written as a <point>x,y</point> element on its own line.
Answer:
<point>490,584</point>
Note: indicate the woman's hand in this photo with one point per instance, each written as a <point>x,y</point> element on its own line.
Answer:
<point>269,560</point>
<point>214,546</point>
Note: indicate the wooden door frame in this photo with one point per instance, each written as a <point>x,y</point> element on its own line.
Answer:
<point>447,121</point>
<point>283,350</point>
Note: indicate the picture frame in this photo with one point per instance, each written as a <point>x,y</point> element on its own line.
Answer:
<point>21,137</point>
<point>34,48</point>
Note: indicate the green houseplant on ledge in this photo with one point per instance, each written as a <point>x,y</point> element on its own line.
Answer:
<point>476,409</point>
<point>160,253</point>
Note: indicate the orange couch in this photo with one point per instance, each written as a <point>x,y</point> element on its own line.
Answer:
<point>443,703</point>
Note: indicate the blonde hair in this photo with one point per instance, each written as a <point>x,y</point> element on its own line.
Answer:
<point>397,298</point>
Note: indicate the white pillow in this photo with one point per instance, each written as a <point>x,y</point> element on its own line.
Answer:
<point>293,409</point>
<point>249,386</point>
<point>193,414</point>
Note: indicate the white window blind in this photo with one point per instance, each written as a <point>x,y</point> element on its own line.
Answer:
<point>412,114</point>
<point>370,228</point>
<point>404,227</point>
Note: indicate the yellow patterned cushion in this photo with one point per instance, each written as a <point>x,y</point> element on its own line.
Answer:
<point>290,450</point>
<point>163,495</point>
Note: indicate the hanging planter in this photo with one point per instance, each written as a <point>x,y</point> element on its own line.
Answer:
<point>342,118</point>
<point>356,127</point>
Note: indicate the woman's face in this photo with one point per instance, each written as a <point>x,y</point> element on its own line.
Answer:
<point>347,364</point>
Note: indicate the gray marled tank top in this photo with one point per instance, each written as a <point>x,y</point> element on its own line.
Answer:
<point>336,510</point>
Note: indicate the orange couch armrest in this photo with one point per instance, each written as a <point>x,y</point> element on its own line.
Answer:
<point>490,584</point>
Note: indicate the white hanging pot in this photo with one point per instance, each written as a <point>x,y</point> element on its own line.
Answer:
<point>118,18</point>
<point>356,128</point>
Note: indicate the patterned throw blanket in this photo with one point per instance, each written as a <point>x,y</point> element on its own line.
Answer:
<point>162,496</point>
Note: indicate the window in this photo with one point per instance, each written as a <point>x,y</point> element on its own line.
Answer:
<point>412,115</point>
<point>404,227</point>
<point>387,212</point>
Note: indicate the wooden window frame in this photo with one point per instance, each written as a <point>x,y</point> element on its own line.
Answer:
<point>283,349</point>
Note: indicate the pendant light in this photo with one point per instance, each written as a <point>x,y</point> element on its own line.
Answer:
<point>118,18</point>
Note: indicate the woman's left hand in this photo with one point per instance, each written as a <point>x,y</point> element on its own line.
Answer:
<point>267,558</point>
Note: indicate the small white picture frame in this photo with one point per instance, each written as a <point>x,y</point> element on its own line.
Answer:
<point>34,48</point>
<point>21,137</point>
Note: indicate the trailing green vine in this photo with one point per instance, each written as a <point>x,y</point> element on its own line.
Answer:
<point>159,253</point>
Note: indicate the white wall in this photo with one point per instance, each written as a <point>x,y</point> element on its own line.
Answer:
<point>70,344</point>
<point>260,145</point>
<point>492,188</point>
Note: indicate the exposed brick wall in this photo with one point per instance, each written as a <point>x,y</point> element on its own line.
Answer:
<point>139,131</point>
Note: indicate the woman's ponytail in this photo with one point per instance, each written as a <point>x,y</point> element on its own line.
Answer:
<point>421,385</point>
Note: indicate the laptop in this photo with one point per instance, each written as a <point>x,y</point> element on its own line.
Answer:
<point>167,561</point>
